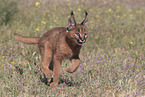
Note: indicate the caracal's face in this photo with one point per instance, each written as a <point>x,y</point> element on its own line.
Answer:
<point>79,34</point>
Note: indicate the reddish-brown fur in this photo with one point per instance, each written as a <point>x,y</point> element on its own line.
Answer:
<point>58,44</point>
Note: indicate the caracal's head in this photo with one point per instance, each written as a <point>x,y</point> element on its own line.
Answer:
<point>77,32</point>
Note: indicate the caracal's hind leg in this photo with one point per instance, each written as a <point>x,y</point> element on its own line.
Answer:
<point>56,71</point>
<point>73,67</point>
<point>44,78</point>
<point>46,60</point>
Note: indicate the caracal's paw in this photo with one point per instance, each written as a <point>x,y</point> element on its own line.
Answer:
<point>70,70</point>
<point>48,73</point>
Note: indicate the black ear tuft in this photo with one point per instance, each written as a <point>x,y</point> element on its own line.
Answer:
<point>86,13</point>
<point>85,21</point>
<point>72,13</point>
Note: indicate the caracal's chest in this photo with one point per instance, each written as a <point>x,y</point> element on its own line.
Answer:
<point>64,51</point>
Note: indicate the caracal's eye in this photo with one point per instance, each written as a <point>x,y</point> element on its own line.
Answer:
<point>85,34</point>
<point>77,34</point>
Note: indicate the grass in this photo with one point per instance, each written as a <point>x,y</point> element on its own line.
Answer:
<point>112,59</point>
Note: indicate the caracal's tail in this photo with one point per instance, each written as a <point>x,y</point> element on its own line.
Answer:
<point>26,39</point>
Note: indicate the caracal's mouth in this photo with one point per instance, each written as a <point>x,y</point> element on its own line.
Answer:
<point>80,42</point>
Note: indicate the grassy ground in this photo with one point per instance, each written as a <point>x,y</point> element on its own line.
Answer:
<point>112,59</point>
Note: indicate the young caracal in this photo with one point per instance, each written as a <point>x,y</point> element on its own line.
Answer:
<point>57,44</point>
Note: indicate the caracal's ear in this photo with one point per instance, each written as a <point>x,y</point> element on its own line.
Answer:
<point>85,21</point>
<point>71,22</point>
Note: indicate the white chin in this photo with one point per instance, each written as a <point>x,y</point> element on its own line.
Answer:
<point>79,44</point>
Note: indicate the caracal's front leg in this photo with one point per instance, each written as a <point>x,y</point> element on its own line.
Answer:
<point>46,59</point>
<point>73,67</point>
<point>56,71</point>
